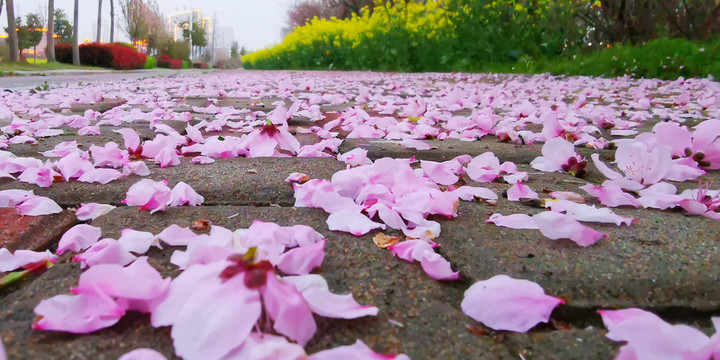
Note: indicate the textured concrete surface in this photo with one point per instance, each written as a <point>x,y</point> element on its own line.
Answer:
<point>667,262</point>
<point>32,232</point>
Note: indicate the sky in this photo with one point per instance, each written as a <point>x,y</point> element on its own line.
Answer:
<point>256,23</point>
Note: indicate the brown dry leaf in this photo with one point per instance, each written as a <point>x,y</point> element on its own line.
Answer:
<point>384,241</point>
<point>200,225</point>
<point>303,178</point>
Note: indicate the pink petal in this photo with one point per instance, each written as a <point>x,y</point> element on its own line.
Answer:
<point>79,237</point>
<point>175,235</point>
<point>519,191</point>
<point>355,157</point>
<point>588,213</point>
<point>468,193</point>
<point>288,309</point>
<point>604,169</point>
<point>649,337</point>
<point>443,173</point>
<point>102,176</point>
<point>37,206</point>
<point>79,314</point>
<point>12,197</point>
<point>105,251</point>
<point>138,242</point>
<point>555,153</point>
<point>484,167</point>
<point>352,221</point>
<point>437,267</point>
<point>560,226</point>
<point>267,347</point>
<point>504,303</point>
<point>40,176</point>
<point>513,221</point>
<point>91,211</point>
<point>321,301</point>
<point>182,194</point>
<point>301,260</point>
<point>149,195</point>
<point>432,263</point>
<point>73,165</point>
<point>193,134</point>
<point>355,351</point>
<point>611,195</point>
<point>139,280</point>
<point>287,141</point>
<point>143,354</point>
<point>693,206</point>
<point>22,258</point>
<point>416,144</point>
<point>203,160</point>
<point>136,167</point>
<point>130,138</point>
<point>167,157</point>
<point>209,317</point>
<point>109,155</point>
<point>89,130</point>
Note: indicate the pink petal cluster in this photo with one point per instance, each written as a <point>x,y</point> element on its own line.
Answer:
<point>215,288</point>
<point>156,195</point>
<point>103,295</point>
<point>553,225</point>
<point>23,258</point>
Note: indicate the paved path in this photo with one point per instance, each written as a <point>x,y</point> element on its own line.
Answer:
<point>666,262</point>
<point>32,79</point>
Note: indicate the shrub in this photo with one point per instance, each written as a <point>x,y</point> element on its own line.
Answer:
<point>149,63</point>
<point>63,53</point>
<point>166,62</point>
<point>185,65</point>
<point>114,56</point>
<point>200,65</point>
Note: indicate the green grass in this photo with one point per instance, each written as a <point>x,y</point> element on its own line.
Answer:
<point>8,66</point>
<point>665,59</point>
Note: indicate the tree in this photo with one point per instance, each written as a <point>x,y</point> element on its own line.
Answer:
<point>99,21</point>
<point>50,50</point>
<point>63,27</point>
<point>234,50</point>
<point>199,40</point>
<point>144,22</point>
<point>135,13</point>
<point>30,34</point>
<point>305,11</point>
<point>12,34</point>
<point>112,20</point>
<point>75,37</point>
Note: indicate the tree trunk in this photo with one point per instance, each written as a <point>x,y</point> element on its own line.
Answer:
<point>112,20</point>
<point>99,23</point>
<point>12,33</point>
<point>50,51</point>
<point>75,48</point>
